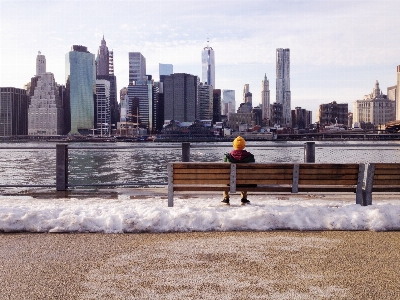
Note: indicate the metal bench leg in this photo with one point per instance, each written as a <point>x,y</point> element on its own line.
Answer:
<point>360,195</point>
<point>170,185</point>
<point>367,193</point>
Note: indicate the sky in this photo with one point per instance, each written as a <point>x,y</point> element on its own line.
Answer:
<point>338,48</point>
<point>141,213</point>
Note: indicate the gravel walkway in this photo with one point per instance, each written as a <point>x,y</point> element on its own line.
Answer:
<point>211,265</point>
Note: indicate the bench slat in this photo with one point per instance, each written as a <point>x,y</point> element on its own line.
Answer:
<point>387,176</point>
<point>201,171</point>
<point>327,171</point>
<point>265,171</point>
<point>194,165</point>
<point>386,188</point>
<point>266,166</point>
<point>328,182</point>
<point>383,166</point>
<point>316,177</point>
<point>269,188</point>
<point>209,188</point>
<point>263,181</point>
<point>328,166</point>
<point>260,176</point>
<point>387,171</point>
<point>386,182</point>
<point>201,182</point>
<point>200,177</point>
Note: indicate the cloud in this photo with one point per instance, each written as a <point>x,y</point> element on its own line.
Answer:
<point>124,26</point>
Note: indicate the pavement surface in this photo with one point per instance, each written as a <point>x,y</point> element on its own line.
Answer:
<point>201,265</point>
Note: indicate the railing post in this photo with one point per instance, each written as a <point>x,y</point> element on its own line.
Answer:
<point>185,152</point>
<point>309,152</point>
<point>61,167</point>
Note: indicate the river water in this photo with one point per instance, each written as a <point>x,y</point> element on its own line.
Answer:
<point>33,163</point>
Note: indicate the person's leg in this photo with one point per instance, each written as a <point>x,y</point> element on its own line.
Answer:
<point>226,197</point>
<point>244,200</point>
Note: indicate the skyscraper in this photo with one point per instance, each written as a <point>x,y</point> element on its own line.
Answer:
<point>208,66</point>
<point>247,96</point>
<point>398,94</point>
<point>142,95</point>
<point>103,115</point>
<point>246,89</point>
<point>40,64</point>
<point>137,67</point>
<point>216,106</point>
<point>13,111</point>
<point>265,100</point>
<point>45,112</point>
<point>105,71</point>
<point>81,80</point>
<point>283,84</point>
<point>205,104</point>
<point>165,70</point>
<point>180,97</point>
<point>228,102</point>
<point>103,59</point>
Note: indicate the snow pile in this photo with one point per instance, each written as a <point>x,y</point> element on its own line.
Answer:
<point>23,213</point>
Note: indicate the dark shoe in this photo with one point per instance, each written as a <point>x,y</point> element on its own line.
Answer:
<point>225,201</point>
<point>244,201</point>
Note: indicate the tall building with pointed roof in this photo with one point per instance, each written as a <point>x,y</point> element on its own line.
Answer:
<point>208,66</point>
<point>105,71</point>
<point>398,94</point>
<point>265,99</point>
<point>103,59</point>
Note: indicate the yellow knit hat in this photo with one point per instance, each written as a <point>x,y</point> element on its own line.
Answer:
<point>239,143</point>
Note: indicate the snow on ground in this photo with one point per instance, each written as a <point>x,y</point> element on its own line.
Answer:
<point>198,213</point>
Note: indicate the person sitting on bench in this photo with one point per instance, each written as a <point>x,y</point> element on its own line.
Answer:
<point>238,155</point>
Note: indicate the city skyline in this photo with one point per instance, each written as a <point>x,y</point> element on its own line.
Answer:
<point>338,48</point>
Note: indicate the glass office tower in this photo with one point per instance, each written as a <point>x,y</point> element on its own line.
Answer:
<point>208,66</point>
<point>283,95</point>
<point>80,74</point>
<point>137,67</point>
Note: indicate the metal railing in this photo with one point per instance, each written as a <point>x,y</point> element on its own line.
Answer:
<point>63,161</point>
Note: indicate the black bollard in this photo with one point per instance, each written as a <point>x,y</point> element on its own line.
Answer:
<point>309,152</point>
<point>185,152</point>
<point>61,167</point>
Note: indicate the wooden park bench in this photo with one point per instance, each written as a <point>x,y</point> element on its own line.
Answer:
<point>265,177</point>
<point>381,178</point>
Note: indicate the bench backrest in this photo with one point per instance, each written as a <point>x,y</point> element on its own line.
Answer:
<point>200,173</point>
<point>265,173</point>
<point>328,174</point>
<point>262,173</point>
<point>381,177</point>
<point>384,174</point>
